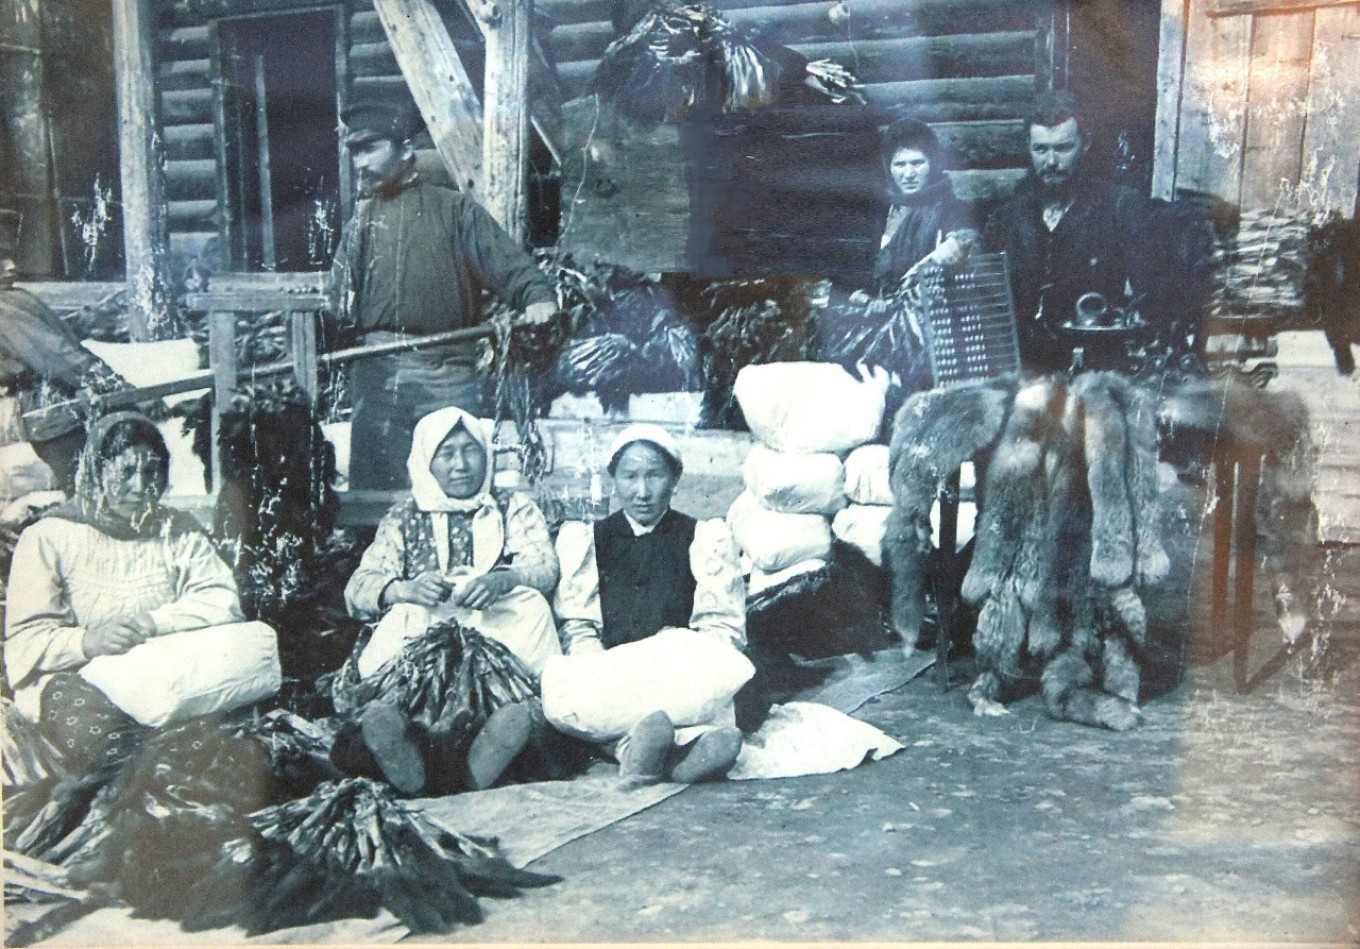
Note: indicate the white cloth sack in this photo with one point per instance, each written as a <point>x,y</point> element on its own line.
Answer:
<point>761,581</point>
<point>598,696</point>
<point>773,540</point>
<point>809,406</point>
<point>807,738</point>
<point>795,483</point>
<point>866,475</point>
<point>149,364</point>
<point>168,679</point>
<point>862,526</point>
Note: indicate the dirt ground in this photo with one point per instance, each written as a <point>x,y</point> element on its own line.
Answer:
<point>1222,818</point>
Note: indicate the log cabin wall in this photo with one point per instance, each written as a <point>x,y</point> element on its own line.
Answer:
<point>1260,103</point>
<point>192,124</point>
<point>969,67</point>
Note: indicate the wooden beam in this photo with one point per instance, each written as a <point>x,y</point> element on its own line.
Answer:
<point>1237,7</point>
<point>1213,104</point>
<point>139,152</point>
<point>438,83</point>
<point>225,373</point>
<point>1331,148</point>
<point>1277,95</point>
<point>1170,72</point>
<point>505,145</point>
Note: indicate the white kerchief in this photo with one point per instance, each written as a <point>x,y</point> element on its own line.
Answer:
<point>488,527</point>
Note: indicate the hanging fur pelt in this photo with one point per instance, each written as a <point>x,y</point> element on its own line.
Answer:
<point>933,434</point>
<point>1068,531</point>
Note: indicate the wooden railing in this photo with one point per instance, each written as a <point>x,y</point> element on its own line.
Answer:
<point>303,297</point>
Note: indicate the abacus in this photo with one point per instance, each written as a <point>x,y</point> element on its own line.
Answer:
<point>969,320</point>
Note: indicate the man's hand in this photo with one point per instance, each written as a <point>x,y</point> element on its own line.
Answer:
<point>486,589</point>
<point>429,589</point>
<point>950,251</point>
<point>540,313</point>
<point>113,639</point>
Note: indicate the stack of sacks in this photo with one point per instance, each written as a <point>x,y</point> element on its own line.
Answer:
<point>863,522</point>
<point>805,416</point>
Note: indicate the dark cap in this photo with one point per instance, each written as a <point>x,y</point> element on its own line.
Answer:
<point>9,232</point>
<point>369,120</point>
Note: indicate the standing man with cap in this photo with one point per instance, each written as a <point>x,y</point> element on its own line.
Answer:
<point>413,262</point>
<point>42,363</point>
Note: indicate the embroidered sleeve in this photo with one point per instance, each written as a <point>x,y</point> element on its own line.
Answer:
<point>577,600</point>
<point>720,589</point>
<point>383,562</point>
<point>528,545</point>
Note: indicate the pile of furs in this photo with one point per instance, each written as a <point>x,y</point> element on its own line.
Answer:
<point>1068,532</point>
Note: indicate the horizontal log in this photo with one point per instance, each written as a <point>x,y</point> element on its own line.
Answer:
<point>794,23</point>
<point>373,59</point>
<point>185,142</point>
<point>183,74</point>
<point>956,100</point>
<point>365,27</point>
<point>191,180</point>
<point>186,244</point>
<point>574,11</point>
<point>299,282</point>
<point>382,86</point>
<point>186,106</point>
<point>931,57</point>
<point>185,42</point>
<point>985,144</point>
<point>1008,53</point>
<point>192,215</point>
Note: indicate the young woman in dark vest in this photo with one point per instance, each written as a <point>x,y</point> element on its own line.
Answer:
<point>643,569</point>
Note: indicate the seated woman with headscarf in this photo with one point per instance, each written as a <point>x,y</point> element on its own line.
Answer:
<point>100,574</point>
<point>643,569</point>
<point>455,554</point>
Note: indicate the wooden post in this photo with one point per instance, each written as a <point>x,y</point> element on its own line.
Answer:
<point>439,84</point>
<point>222,361</point>
<point>505,146</point>
<point>1170,70</point>
<point>139,152</point>
<point>302,333</point>
<point>29,168</point>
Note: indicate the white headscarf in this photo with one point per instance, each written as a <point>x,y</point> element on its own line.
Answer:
<point>646,432</point>
<point>488,527</point>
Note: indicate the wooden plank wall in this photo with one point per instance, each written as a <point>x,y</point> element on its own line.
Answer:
<point>1268,110</point>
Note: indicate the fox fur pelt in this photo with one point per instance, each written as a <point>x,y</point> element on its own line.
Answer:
<point>1069,528</point>
<point>933,434</point>
<point>1068,532</point>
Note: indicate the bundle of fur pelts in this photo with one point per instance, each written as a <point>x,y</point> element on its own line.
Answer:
<point>1067,531</point>
<point>933,434</point>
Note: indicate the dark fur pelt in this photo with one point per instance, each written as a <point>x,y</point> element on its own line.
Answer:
<point>933,434</point>
<point>1332,286</point>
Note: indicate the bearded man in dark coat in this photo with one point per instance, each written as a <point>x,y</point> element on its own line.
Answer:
<point>1066,234</point>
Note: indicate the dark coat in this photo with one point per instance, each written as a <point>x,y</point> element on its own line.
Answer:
<point>936,214</point>
<point>1093,248</point>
